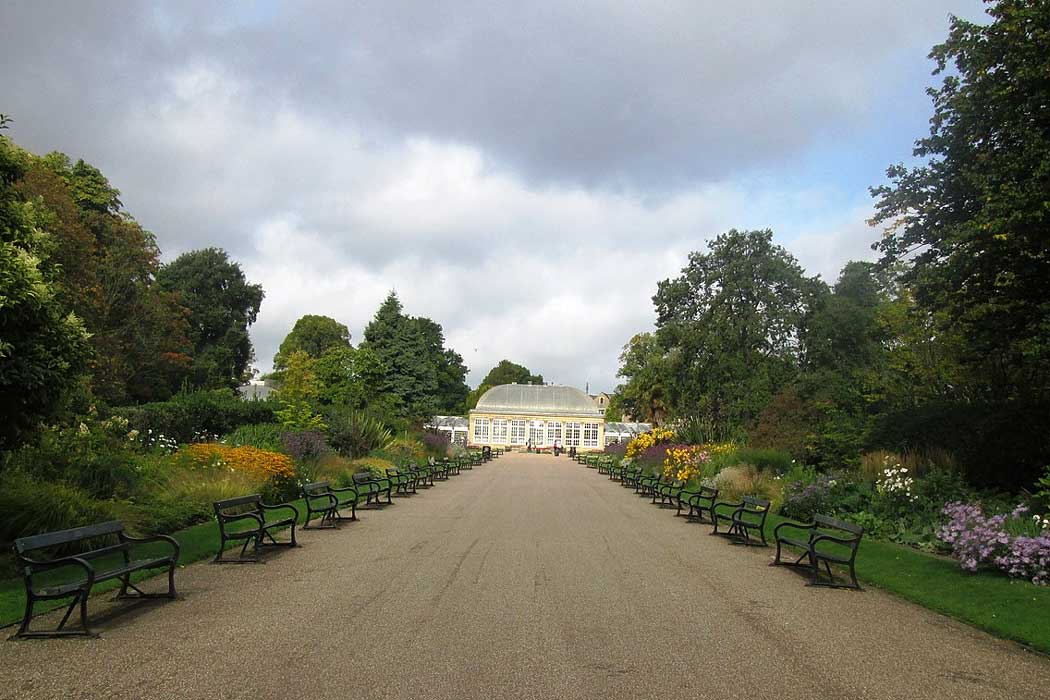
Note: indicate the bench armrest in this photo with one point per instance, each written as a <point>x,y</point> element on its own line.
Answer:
<point>847,541</point>
<point>289,506</point>
<point>797,526</point>
<point>342,489</point>
<point>176,548</point>
<point>328,496</point>
<point>35,566</point>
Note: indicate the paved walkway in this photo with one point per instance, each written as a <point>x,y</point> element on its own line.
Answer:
<point>529,577</point>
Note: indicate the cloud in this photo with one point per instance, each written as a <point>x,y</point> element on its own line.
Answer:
<point>522,173</point>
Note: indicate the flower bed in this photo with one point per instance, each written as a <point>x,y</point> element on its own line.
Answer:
<point>1012,543</point>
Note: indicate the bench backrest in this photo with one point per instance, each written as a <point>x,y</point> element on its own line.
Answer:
<point>316,488</point>
<point>830,523</point>
<point>363,477</point>
<point>755,503</point>
<point>64,537</point>
<point>252,501</point>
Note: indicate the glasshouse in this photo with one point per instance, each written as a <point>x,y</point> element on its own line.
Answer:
<point>537,415</point>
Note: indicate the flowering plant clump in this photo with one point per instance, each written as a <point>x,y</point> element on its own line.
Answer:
<point>978,540</point>
<point>643,442</point>
<point>895,482</point>
<point>243,459</point>
<point>717,449</point>
<point>685,462</point>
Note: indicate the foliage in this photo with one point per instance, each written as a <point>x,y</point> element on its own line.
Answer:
<point>403,450</point>
<point>31,506</point>
<point>265,436</point>
<point>299,390</point>
<point>685,462</point>
<point>303,446</point>
<point>418,370</point>
<point>192,413</point>
<point>377,466</point>
<point>765,459</point>
<point>138,330</point>
<point>647,440</point>
<point>314,335</point>
<point>744,480</point>
<point>356,433</point>
<point>505,372</point>
<point>729,327</point>
<point>246,459</point>
<point>643,367</point>
<point>222,304</point>
<point>979,540</point>
<point>94,456</point>
<point>971,219</point>
<point>436,443</point>
<point>43,346</point>
<point>349,377</point>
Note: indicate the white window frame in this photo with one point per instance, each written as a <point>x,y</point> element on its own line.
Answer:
<point>554,433</point>
<point>590,434</point>
<point>481,431</point>
<point>517,431</point>
<point>572,434</point>
<point>499,431</point>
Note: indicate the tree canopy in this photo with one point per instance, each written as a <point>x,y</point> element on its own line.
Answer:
<point>313,335</point>
<point>505,372</point>
<point>222,304</point>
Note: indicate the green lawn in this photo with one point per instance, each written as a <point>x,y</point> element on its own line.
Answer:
<point>1009,608</point>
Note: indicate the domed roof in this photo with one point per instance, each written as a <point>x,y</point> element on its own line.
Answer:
<point>537,399</point>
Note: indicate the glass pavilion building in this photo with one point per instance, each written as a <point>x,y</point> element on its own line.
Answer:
<point>516,415</point>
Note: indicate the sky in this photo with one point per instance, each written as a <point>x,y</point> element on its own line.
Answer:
<point>521,173</point>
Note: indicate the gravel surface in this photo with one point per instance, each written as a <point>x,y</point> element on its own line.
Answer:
<point>528,577</point>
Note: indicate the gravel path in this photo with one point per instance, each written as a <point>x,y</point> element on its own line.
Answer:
<point>529,577</point>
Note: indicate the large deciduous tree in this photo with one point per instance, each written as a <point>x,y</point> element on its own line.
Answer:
<point>42,345</point>
<point>314,335</point>
<point>972,219</point>
<point>730,325</point>
<point>222,304</point>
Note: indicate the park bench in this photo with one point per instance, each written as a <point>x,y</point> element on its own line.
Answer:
<point>615,469</point>
<point>419,472</point>
<point>372,488</point>
<point>325,500</point>
<point>842,541</point>
<point>476,458</point>
<point>699,499</point>
<point>499,451</point>
<point>244,518</point>
<point>747,516</point>
<point>439,470</point>
<point>648,483</point>
<point>401,481</point>
<point>46,574</point>
<point>667,491</point>
<point>630,475</point>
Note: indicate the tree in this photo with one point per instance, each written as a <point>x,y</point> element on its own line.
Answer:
<point>314,335</point>
<point>349,377</point>
<point>222,304</point>
<point>420,372</point>
<point>644,396</point>
<point>972,221</point>
<point>298,393</point>
<point>108,278</point>
<point>729,327</point>
<point>505,372</point>
<point>42,346</point>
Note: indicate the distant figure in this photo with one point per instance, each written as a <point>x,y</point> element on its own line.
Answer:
<point>572,452</point>
<point>528,446</point>
<point>557,448</point>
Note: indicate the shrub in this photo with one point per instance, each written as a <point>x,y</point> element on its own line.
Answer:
<point>436,443</point>
<point>31,506</point>
<point>96,456</point>
<point>765,459</point>
<point>355,433</point>
<point>265,436</point>
<point>617,450</point>
<point>303,446</point>
<point>978,540</point>
<point>188,415</point>
<point>646,441</point>
<point>404,450</point>
<point>685,462</point>
<point>376,465</point>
